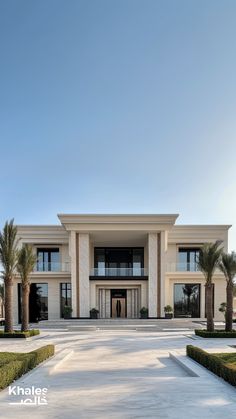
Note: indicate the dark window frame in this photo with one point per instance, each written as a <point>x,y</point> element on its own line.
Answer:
<point>67,289</point>
<point>49,251</point>
<point>188,250</point>
<point>20,302</point>
<point>130,249</point>
<point>200,296</point>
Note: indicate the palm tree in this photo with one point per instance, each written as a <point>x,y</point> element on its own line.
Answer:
<point>25,265</point>
<point>2,300</point>
<point>8,259</point>
<point>207,262</point>
<point>227,265</point>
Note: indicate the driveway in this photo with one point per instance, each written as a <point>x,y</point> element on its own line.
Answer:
<point>123,374</point>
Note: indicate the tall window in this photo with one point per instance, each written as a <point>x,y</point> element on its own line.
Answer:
<point>188,259</point>
<point>187,300</point>
<point>65,296</point>
<point>38,302</point>
<point>48,259</point>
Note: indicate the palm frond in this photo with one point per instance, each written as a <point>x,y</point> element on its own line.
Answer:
<point>227,265</point>
<point>26,262</point>
<point>8,249</point>
<point>208,259</point>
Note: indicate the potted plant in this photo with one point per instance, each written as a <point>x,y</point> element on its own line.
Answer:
<point>223,308</point>
<point>67,312</point>
<point>168,312</point>
<point>94,313</point>
<point>144,313</point>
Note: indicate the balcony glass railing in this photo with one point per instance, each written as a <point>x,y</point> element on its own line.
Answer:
<point>118,272</point>
<point>52,267</point>
<point>182,267</point>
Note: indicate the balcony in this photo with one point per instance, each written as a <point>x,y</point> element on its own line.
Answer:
<point>118,272</point>
<point>52,267</point>
<point>182,267</point>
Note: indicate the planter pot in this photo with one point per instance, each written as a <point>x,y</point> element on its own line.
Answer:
<point>93,315</point>
<point>144,315</point>
<point>67,316</point>
<point>168,315</point>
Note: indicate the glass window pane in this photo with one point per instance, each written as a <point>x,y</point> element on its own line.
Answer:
<point>65,296</point>
<point>187,300</point>
<point>38,302</point>
<point>54,259</point>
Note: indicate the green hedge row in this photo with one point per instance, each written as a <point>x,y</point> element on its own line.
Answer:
<point>17,364</point>
<point>19,334</point>
<point>213,363</point>
<point>215,334</point>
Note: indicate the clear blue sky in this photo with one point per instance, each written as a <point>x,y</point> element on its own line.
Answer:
<point>118,106</point>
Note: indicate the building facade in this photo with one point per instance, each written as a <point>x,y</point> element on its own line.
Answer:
<point>119,264</point>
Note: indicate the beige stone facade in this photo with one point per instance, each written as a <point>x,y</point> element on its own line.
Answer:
<point>67,271</point>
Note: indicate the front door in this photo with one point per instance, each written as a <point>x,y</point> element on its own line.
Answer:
<point>118,303</point>
<point>118,307</point>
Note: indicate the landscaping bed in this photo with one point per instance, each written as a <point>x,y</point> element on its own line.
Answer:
<point>19,334</point>
<point>221,364</point>
<point>215,334</point>
<point>14,365</point>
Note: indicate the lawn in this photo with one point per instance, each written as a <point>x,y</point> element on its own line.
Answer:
<point>221,364</point>
<point>18,334</point>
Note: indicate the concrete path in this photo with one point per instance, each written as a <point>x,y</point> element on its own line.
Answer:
<point>129,374</point>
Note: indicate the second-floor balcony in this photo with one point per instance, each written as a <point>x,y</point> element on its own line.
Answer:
<point>182,267</point>
<point>118,272</point>
<point>52,267</point>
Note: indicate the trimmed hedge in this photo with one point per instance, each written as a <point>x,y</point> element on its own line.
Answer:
<point>215,334</point>
<point>14,365</point>
<point>19,334</point>
<point>216,363</point>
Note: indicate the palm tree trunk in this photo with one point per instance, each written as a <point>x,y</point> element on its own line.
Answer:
<point>9,306</point>
<point>25,309</point>
<point>209,311</point>
<point>229,307</point>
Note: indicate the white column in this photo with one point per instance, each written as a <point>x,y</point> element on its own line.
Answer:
<point>72,252</point>
<point>152,274</point>
<point>84,275</point>
<point>164,244</point>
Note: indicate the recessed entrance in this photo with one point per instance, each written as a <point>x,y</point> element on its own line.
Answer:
<point>118,304</point>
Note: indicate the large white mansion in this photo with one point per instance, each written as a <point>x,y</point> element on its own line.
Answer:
<point>119,264</point>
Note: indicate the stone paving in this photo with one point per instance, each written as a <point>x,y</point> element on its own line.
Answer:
<point>123,374</point>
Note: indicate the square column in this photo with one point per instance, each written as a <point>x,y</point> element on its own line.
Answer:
<point>73,258</point>
<point>83,268</point>
<point>162,279</point>
<point>152,274</point>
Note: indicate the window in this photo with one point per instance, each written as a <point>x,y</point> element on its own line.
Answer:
<point>65,295</point>
<point>38,302</point>
<point>187,300</point>
<point>118,261</point>
<point>48,259</point>
<point>188,259</point>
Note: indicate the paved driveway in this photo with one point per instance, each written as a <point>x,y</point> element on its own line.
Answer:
<point>123,374</point>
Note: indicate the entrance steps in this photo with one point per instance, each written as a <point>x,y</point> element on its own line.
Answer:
<point>92,325</point>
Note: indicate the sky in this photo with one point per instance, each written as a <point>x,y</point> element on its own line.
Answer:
<point>118,106</point>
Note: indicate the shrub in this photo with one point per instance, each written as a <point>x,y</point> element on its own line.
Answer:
<point>168,309</point>
<point>219,364</point>
<point>19,334</point>
<point>14,365</point>
<point>215,334</point>
<point>67,311</point>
